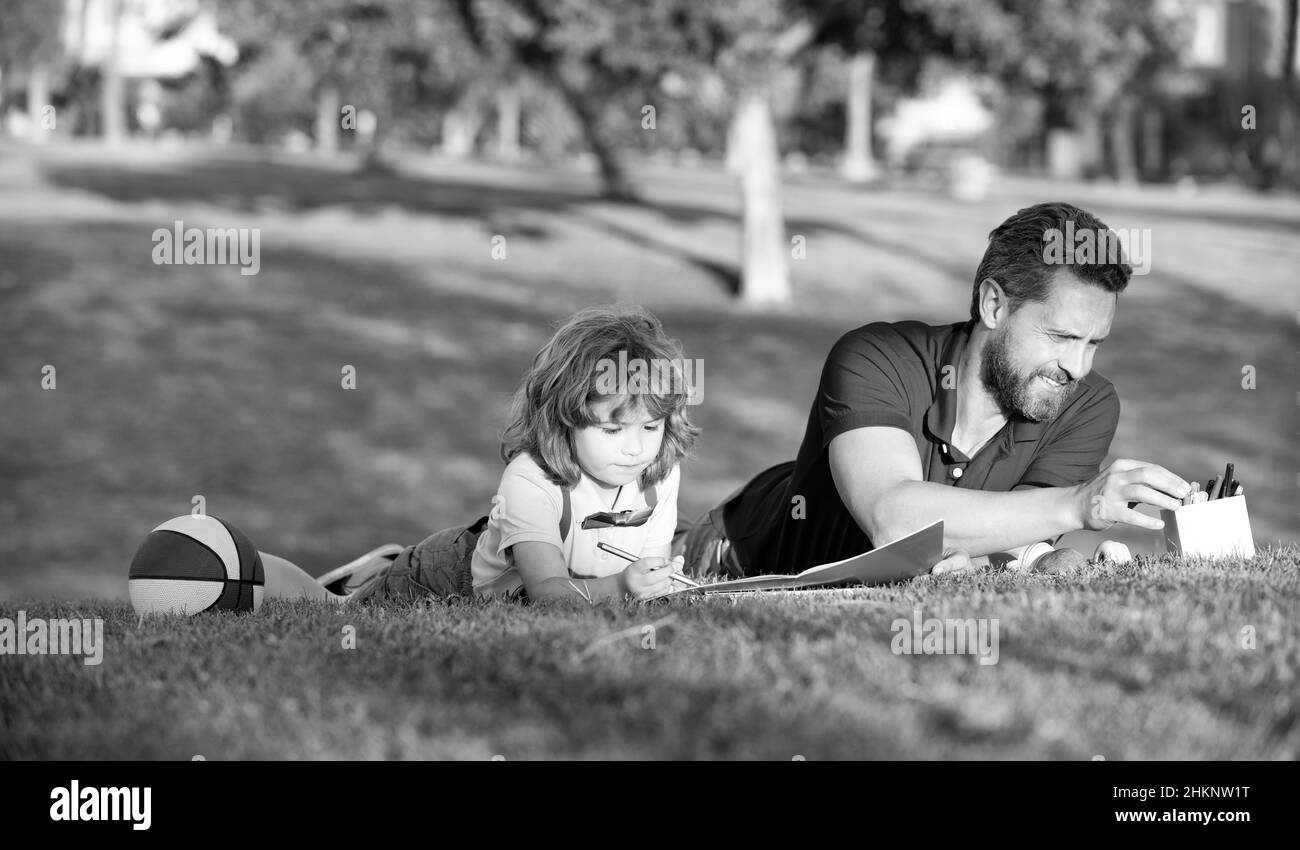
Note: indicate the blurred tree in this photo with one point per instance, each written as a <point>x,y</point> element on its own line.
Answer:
<point>1288,123</point>
<point>192,103</point>
<point>620,55</point>
<point>879,36</point>
<point>1289,40</point>
<point>754,41</point>
<point>30,44</point>
<point>1093,62</point>
<point>272,94</point>
<point>112,91</point>
<point>570,46</point>
<point>283,55</point>
<point>369,55</point>
<point>508,119</point>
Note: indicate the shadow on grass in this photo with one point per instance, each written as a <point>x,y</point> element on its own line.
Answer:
<point>177,381</point>
<point>250,186</point>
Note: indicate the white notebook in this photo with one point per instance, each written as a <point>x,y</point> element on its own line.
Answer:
<point>900,559</point>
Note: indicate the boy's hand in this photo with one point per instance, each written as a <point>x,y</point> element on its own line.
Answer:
<point>651,577</point>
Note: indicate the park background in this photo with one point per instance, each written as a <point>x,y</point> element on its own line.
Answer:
<point>762,175</point>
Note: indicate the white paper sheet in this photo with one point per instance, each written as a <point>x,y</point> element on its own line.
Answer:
<point>900,559</point>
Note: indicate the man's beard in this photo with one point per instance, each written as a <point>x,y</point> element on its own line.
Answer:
<point>1026,395</point>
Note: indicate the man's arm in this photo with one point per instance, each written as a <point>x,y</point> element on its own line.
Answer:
<point>877,472</point>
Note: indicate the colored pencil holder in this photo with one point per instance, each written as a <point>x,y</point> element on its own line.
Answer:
<point>1216,529</point>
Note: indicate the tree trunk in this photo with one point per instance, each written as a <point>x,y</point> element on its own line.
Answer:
<point>369,144</point>
<point>859,164</point>
<point>1288,129</point>
<point>1091,147</point>
<point>613,176</point>
<point>83,12</point>
<point>508,110</point>
<point>38,97</point>
<point>731,156</point>
<point>460,127</point>
<point>112,102</point>
<point>328,118</point>
<point>1123,143</point>
<point>1289,43</point>
<point>612,173</point>
<point>765,270</point>
<point>1153,143</point>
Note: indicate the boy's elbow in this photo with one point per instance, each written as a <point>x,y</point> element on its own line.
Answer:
<point>554,587</point>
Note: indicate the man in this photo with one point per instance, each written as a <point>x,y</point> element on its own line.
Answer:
<point>997,425</point>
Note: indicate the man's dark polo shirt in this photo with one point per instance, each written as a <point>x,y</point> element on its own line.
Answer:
<point>893,375</point>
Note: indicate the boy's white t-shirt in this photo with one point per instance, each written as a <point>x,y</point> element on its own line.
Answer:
<point>527,507</point>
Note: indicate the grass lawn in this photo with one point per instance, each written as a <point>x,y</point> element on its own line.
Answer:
<point>1144,661</point>
<point>183,381</point>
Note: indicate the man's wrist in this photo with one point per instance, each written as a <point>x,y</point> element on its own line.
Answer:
<point>1073,513</point>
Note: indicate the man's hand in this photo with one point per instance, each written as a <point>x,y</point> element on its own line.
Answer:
<point>1111,496</point>
<point>651,577</point>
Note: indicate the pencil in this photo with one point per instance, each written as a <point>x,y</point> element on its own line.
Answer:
<point>614,550</point>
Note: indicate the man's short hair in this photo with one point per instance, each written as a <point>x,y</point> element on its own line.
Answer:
<point>1015,256</point>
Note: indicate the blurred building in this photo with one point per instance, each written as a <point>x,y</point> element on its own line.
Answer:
<point>1236,59</point>
<point>150,39</point>
<point>1232,59</point>
<point>118,51</point>
<point>941,138</point>
<point>1238,38</point>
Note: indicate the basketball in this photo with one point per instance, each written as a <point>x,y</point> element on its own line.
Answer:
<point>196,563</point>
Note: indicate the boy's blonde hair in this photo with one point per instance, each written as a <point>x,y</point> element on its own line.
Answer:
<point>561,386</point>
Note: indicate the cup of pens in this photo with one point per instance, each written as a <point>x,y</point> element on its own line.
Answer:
<point>1212,522</point>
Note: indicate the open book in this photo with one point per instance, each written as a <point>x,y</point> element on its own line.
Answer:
<point>899,559</point>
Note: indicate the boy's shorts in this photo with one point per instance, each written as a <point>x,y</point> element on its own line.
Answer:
<point>439,565</point>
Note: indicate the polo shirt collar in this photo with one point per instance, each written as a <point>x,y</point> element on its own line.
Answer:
<point>941,418</point>
<point>1025,430</point>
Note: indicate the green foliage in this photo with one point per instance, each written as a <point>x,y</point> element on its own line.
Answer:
<point>1077,54</point>
<point>399,60</point>
<point>190,104</point>
<point>903,34</point>
<point>274,97</point>
<point>29,32</point>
